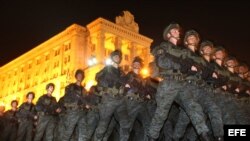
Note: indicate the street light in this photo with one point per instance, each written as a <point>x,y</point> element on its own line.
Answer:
<point>108,61</point>
<point>91,62</point>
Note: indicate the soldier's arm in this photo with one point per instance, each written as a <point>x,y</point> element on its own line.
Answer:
<point>40,106</point>
<point>20,112</point>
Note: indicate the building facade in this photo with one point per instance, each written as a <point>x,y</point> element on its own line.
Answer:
<point>56,60</point>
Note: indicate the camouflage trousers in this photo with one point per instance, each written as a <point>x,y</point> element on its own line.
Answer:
<point>109,106</point>
<point>9,132</point>
<point>25,130</point>
<point>169,91</point>
<point>45,128</point>
<point>168,129</point>
<point>226,106</point>
<point>75,119</point>
<point>138,111</point>
<point>92,122</point>
<point>209,107</point>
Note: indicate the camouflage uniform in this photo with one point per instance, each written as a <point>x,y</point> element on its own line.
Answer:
<point>10,126</point>
<point>136,102</point>
<point>25,114</point>
<point>93,113</point>
<point>46,107</point>
<point>203,97</point>
<point>75,116</point>
<point>110,81</point>
<point>173,88</point>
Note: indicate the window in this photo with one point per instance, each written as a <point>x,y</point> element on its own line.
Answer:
<point>38,61</point>
<point>66,59</point>
<point>126,68</point>
<point>57,52</point>
<point>93,48</point>
<point>37,72</point>
<point>30,66</point>
<point>47,57</point>
<point>67,47</point>
<point>56,64</point>
<point>126,57</point>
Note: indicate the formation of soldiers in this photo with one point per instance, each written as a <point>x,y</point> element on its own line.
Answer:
<point>192,92</point>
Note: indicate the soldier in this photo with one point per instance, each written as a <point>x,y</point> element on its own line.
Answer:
<point>93,99</point>
<point>26,116</point>
<point>168,57</point>
<point>47,109</point>
<point>110,81</point>
<point>243,70</point>
<point>76,109</point>
<point>220,86</point>
<point>11,123</point>
<point>136,96</point>
<point>196,77</point>
<point>233,89</point>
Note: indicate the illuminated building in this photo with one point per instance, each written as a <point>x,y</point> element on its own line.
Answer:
<point>56,59</point>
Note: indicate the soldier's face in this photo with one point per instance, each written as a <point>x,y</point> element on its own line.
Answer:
<point>192,40</point>
<point>220,55</point>
<point>14,105</point>
<point>136,65</point>
<point>50,89</point>
<point>248,78</point>
<point>30,98</point>
<point>79,77</point>
<point>243,71</point>
<point>175,33</point>
<point>207,50</point>
<point>116,58</point>
<point>231,63</point>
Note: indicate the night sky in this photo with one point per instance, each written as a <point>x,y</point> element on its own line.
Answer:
<point>25,24</point>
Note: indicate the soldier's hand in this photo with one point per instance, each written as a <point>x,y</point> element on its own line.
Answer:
<point>58,110</point>
<point>224,87</point>
<point>35,117</point>
<point>87,106</point>
<point>148,96</point>
<point>127,86</point>
<point>248,92</point>
<point>215,75</point>
<point>237,90</point>
<point>194,68</point>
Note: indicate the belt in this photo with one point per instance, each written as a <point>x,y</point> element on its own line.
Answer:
<point>195,82</point>
<point>174,77</point>
<point>114,92</point>
<point>93,108</point>
<point>75,107</point>
<point>43,113</point>
<point>132,98</point>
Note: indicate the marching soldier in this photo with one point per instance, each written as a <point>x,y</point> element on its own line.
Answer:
<point>196,75</point>
<point>110,81</point>
<point>75,104</point>
<point>11,123</point>
<point>26,116</point>
<point>168,57</point>
<point>47,109</point>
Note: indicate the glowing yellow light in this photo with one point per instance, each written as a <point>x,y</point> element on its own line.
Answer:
<point>2,104</point>
<point>144,72</point>
<point>89,84</point>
